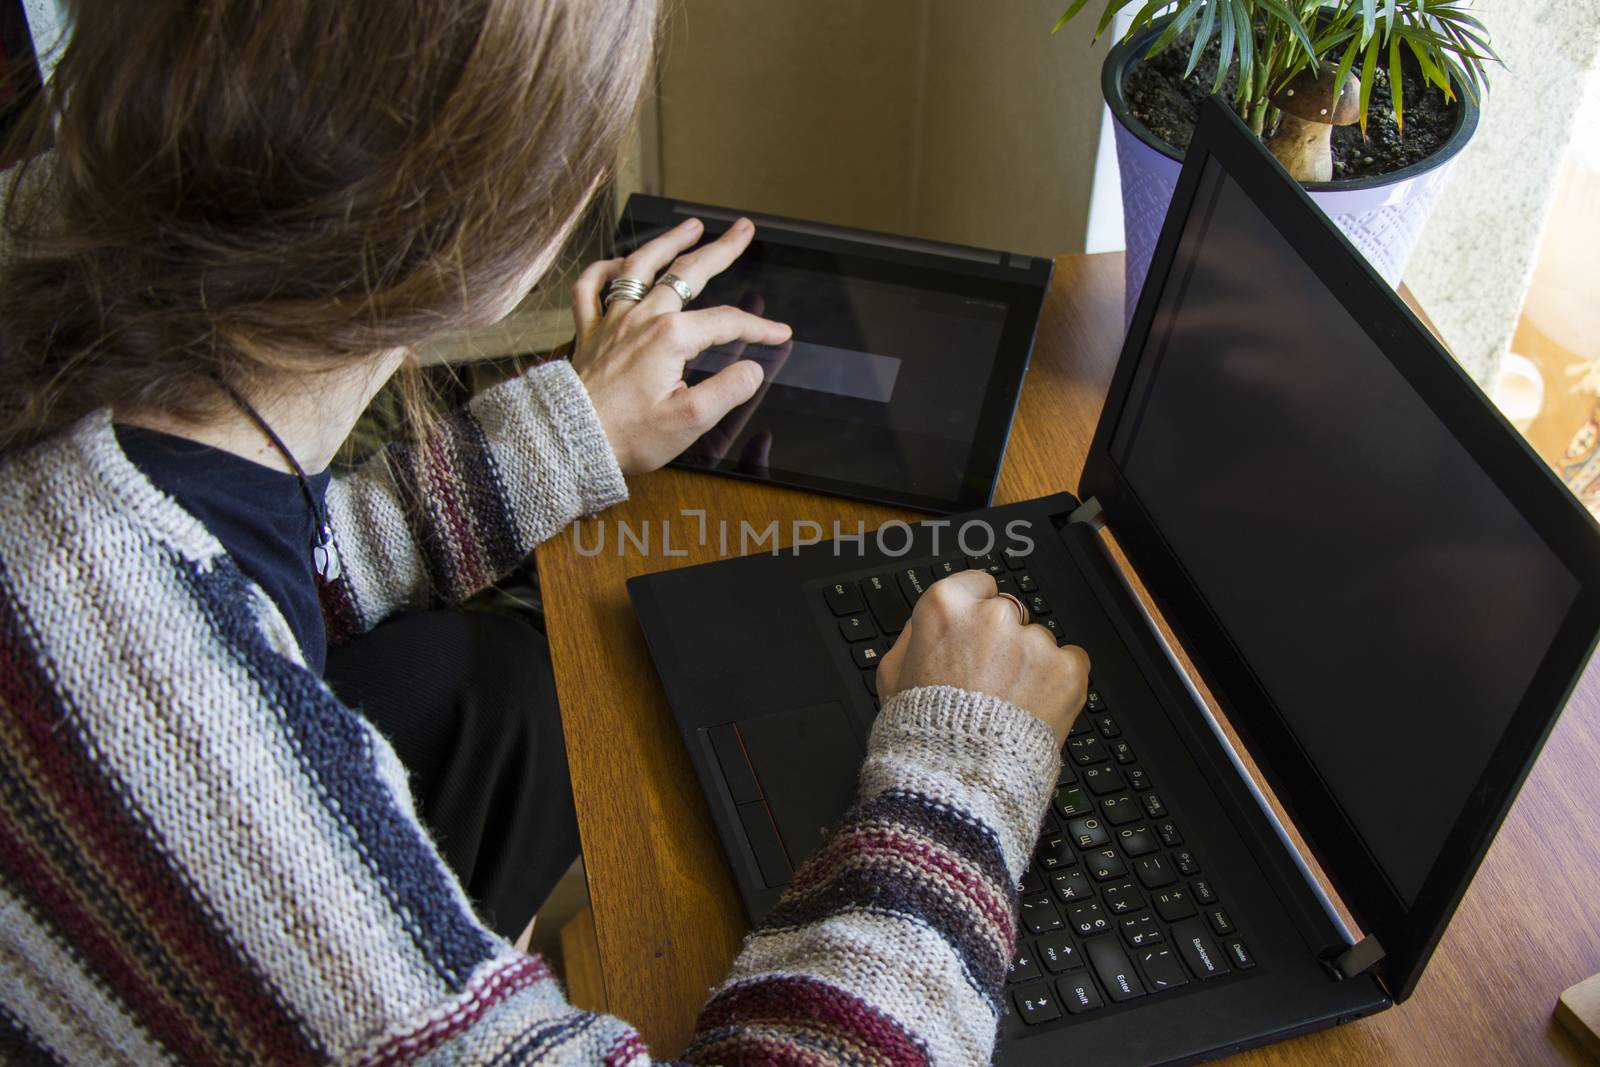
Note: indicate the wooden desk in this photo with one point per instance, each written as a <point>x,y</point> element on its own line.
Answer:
<point>666,913</point>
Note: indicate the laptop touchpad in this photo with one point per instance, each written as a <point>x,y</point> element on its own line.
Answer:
<point>806,760</point>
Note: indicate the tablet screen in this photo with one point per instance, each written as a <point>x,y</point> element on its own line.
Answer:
<point>898,384</point>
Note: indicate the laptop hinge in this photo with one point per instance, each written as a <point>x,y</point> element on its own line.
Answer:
<point>1347,948</point>
<point>1090,513</point>
<point>1359,958</point>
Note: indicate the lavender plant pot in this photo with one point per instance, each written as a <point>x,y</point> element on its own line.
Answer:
<point>1383,216</point>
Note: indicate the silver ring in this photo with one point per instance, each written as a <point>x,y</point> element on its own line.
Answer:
<point>1022,609</point>
<point>631,289</point>
<point>677,285</point>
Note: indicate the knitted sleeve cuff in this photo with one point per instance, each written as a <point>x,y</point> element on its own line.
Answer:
<point>976,752</point>
<point>577,426</point>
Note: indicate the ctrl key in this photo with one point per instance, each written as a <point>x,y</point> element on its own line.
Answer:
<point>1037,1004</point>
<point>1078,993</point>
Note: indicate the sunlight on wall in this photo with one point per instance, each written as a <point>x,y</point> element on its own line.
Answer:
<point>1550,386</point>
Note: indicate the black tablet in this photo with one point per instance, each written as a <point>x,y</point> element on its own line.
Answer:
<point>903,374</point>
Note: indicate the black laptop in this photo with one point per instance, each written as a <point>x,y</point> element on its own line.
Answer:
<point>1386,590</point>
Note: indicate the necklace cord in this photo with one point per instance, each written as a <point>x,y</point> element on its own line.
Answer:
<point>323,556</point>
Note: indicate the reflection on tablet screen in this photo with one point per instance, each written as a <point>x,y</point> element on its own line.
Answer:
<point>882,386</point>
<point>819,368</point>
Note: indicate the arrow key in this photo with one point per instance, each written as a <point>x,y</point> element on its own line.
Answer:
<point>1037,1004</point>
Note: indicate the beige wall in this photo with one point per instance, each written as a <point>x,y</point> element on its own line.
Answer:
<point>1010,123</point>
<point>939,118</point>
<point>804,109</point>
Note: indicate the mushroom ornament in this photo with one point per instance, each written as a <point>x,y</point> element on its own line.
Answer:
<point>1311,109</point>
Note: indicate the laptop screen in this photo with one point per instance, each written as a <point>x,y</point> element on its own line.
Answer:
<point>1383,590</point>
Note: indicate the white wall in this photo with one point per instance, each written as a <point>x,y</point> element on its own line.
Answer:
<point>1476,258</point>
<point>46,21</point>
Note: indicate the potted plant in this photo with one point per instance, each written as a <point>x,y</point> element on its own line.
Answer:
<point>1367,102</point>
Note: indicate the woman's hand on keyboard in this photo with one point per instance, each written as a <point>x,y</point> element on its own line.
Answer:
<point>963,634</point>
<point>631,355</point>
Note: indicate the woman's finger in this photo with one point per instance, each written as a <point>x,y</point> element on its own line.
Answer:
<point>715,442</point>
<point>587,292</point>
<point>961,589</point>
<point>696,331</point>
<point>697,268</point>
<point>889,665</point>
<point>652,257</point>
<point>705,405</point>
<point>755,305</point>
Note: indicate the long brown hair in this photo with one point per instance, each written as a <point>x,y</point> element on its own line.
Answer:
<point>243,188</point>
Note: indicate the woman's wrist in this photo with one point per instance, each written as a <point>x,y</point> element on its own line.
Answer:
<point>599,481</point>
<point>974,751</point>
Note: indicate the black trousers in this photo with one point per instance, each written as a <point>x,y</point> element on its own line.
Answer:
<point>468,699</point>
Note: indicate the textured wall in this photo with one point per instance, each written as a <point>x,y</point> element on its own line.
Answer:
<point>46,21</point>
<point>1476,257</point>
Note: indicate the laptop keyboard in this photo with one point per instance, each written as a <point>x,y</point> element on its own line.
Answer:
<point>871,612</point>
<point>1115,906</point>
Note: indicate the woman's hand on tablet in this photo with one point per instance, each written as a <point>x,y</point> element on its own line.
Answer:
<point>630,355</point>
<point>964,634</point>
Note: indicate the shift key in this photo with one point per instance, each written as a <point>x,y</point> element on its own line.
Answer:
<point>887,605</point>
<point>1112,965</point>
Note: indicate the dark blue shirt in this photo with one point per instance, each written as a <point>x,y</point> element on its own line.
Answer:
<point>259,514</point>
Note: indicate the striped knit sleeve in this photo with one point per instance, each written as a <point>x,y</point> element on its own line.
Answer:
<point>891,944</point>
<point>437,521</point>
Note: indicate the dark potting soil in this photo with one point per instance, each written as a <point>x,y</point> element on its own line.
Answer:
<point>1168,104</point>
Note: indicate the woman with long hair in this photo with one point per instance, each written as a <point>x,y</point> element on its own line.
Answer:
<point>263,796</point>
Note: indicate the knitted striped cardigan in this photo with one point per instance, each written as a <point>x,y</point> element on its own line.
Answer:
<point>206,858</point>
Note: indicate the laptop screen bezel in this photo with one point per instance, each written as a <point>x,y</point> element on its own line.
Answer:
<point>1407,933</point>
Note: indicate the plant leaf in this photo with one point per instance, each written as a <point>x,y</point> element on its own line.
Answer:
<point>1247,47</point>
<point>1348,62</point>
<point>1369,64</point>
<point>1431,71</point>
<point>1179,23</point>
<point>1072,12</point>
<point>1146,13</point>
<point>1369,19</point>
<point>1201,35</point>
<point>1224,55</point>
<point>1390,16</point>
<point>1459,75</point>
<point>1296,27</point>
<point>1396,91</point>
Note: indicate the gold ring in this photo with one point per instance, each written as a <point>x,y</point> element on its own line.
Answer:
<point>1022,609</point>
